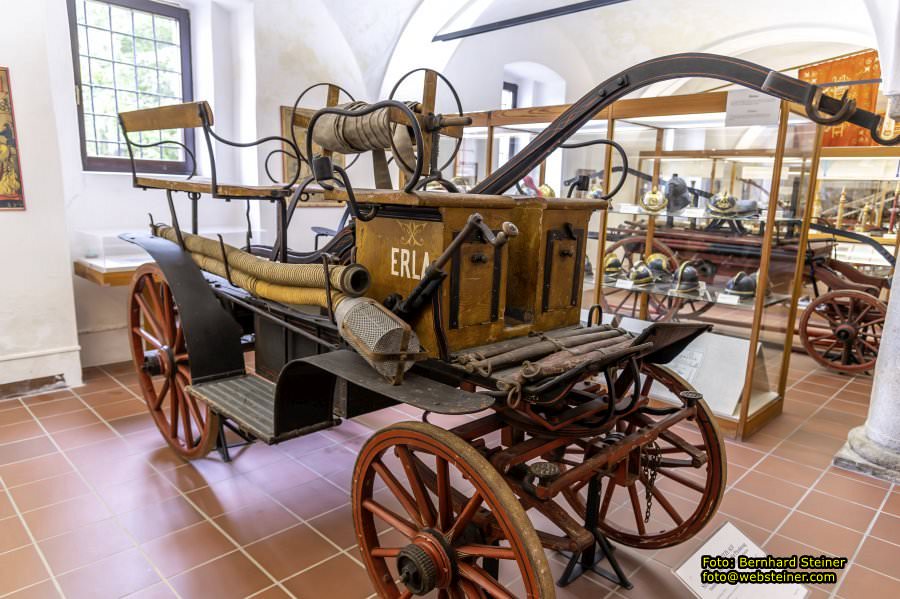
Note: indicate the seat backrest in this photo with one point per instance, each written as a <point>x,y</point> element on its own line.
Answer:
<point>176,116</point>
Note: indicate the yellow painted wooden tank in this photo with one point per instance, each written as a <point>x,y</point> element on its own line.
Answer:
<point>531,284</point>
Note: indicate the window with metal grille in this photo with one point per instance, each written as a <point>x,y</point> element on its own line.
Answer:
<point>130,54</point>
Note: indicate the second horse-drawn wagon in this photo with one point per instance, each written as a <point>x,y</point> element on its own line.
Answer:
<point>462,304</point>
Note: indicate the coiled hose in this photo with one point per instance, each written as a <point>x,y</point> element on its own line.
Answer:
<point>302,284</point>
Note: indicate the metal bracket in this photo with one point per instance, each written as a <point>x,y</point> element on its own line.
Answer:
<point>587,560</point>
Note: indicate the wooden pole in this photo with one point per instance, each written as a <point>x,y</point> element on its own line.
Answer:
<point>651,221</point>
<point>842,204</point>
<point>800,263</point>
<point>604,214</point>
<point>489,150</point>
<point>763,278</point>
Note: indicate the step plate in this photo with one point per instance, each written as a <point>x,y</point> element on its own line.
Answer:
<point>247,400</point>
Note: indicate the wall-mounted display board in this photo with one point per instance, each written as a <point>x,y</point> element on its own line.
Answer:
<point>12,195</point>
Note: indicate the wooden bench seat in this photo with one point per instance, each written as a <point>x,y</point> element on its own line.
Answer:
<point>205,186</point>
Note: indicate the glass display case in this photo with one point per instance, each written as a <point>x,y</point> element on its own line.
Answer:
<point>707,228</point>
<point>858,190</point>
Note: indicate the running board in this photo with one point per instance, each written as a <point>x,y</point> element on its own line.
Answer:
<point>250,402</point>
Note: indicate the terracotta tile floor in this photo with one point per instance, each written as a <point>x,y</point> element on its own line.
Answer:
<point>93,504</point>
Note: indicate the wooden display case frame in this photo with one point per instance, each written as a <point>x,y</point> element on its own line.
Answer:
<point>747,422</point>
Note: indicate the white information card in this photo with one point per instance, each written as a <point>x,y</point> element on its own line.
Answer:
<point>728,541</point>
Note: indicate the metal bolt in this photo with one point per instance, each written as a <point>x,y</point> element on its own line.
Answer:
<point>690,398</point>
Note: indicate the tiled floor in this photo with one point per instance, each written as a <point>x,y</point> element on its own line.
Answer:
<point>94,505</point>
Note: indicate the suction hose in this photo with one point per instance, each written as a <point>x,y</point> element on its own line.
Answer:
<point>352,280</point>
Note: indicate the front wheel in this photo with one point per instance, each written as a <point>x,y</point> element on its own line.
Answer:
<point>464,533</point>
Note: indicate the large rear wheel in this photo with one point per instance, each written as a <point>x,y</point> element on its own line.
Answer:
<point>682,474</point>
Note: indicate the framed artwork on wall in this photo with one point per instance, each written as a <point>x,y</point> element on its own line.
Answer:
<point>12,195</point>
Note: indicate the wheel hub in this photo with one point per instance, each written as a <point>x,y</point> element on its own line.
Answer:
<point>152,363</point>
<point>426,564</point>
<point>845,332</point>
<point>160,362</point>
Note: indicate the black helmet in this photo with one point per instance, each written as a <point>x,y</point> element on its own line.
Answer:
<point>686,278</point>
<point>677,194</point>
<point>742,284</point>
<point>640,274</point>
<point>660,265</point>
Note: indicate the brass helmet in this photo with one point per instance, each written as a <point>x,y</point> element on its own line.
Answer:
<point>547,191</point>
<point>722,204</point>
<point>659,264</point>
<point>612,267</point>
<point>640,274</point>
<point>654,201</point>
<point>686,278</point>
<point>742,284</point>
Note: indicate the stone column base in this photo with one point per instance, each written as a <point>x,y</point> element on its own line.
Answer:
<point>859,454</point>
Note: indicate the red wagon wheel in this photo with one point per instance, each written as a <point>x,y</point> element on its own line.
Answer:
<point>688,485</point>
<point>160,356</point>
<point>660,307</point>
<point>465,535</point>
<point>842,330</point>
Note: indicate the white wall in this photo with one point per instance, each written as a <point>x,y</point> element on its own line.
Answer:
<point>107,202</point>
<point>37,315</point>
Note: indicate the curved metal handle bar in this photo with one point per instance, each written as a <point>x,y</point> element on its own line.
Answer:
<point>636,393</point>
<point>351,198</point>
<point>603,142</point>
<point>456,99</point>
<point>865,239</point>
<point>297,103</point>
<point>447,185</point>
<point>813,113</point>
<point>272,153</point>
<point>167,141</point>
<point>598,310</point>
<point>665,68</point>
<point>414,125</point>
<point>299,195</point>
<point>875,132</point>
<point>259,142</point>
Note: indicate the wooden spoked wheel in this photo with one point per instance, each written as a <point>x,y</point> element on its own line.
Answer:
<point>688,485</point>
<point>660,307</point>
<point>160,356</point>
<point>842,330</point>
<point>464,534</point>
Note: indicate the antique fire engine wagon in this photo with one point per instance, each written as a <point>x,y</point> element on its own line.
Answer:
<point>456,304</point>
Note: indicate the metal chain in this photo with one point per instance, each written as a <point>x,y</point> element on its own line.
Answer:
<point>649,469</point>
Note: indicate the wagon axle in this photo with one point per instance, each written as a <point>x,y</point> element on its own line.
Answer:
<point>427,563</point>
<point>159,362</point>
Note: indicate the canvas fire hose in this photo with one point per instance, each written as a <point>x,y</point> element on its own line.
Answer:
<point>387,343</point>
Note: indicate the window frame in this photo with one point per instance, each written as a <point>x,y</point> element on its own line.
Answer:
<point>512,88</point>
<point>108,163</point>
